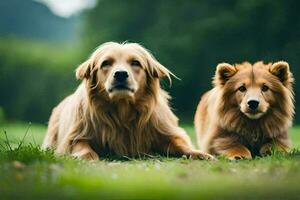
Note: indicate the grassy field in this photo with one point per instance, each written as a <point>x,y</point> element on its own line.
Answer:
<point>29,173</point>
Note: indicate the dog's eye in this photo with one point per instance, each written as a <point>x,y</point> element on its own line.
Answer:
<point>106,63</point>
<point>135,63</point>
<point>264,88</point>
<point>242,89</point>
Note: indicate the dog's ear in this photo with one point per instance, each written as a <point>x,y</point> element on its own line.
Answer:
<point>223,73</point>
<point>156,69</point>
<point>281,70</point>
<point>84,70</point>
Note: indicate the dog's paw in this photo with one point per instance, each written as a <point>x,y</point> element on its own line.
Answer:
<point>266,149</point>
<point>91,156</point>
<point>196,154</point>
<point>88,155</point>
<point>238,152</point>
<point>240,157</point>
<point>241,154</point>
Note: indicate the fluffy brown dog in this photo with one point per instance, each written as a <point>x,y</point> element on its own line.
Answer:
<point>248,111</point>
<point>119,109</point>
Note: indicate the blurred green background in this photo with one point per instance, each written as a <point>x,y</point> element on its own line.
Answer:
<point>40,45</point>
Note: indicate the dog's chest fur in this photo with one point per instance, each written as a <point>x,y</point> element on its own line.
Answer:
<point>254,133</point>
<point>124,131</point>
<point>126,141</point>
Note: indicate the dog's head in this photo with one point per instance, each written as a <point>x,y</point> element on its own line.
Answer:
<point>123,71</point>
<point>256,89</point>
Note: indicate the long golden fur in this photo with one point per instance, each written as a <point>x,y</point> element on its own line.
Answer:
<point>228,123</point>
<point>104,117</point>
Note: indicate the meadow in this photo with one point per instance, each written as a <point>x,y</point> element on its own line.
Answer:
<point>27,172</point>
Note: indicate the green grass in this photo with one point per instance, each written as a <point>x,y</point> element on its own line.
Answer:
<point>29,173</point>
<point>34,133</point>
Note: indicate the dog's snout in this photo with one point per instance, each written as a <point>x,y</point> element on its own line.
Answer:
<point>121,75</point>
<point>253,104</point>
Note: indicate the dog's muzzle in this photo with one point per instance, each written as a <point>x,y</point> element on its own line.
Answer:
<point>120,82</point>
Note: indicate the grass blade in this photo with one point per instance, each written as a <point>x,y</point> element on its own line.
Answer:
<point>22,141</point>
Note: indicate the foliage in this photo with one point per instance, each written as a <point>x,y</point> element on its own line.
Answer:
<point>34,76</point>
<point>2,116</point>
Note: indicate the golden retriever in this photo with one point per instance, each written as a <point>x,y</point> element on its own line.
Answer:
<point>248,112</point>
<point>119,109</point>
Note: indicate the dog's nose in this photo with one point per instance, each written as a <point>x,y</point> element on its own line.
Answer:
<point>121,76</point>
<point>253,104</point>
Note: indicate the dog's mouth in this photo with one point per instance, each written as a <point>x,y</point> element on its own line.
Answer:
<point>120,87</point>
<point>254,114</point>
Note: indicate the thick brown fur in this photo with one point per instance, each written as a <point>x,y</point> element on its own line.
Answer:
<point>225,126</point>
<point>95,122</point>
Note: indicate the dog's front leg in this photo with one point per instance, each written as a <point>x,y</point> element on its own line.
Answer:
<point>83,150</point>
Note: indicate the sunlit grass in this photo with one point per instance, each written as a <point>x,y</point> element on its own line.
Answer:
<point>29,173</point>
